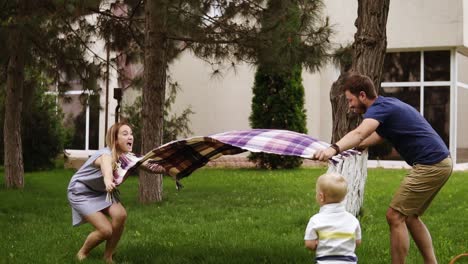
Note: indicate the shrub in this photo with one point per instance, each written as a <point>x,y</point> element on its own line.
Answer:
<point>278,103</point>
<point>42,133</point>
<point>278,94</point>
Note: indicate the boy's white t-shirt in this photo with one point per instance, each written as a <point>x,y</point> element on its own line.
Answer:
<point>336,231</point>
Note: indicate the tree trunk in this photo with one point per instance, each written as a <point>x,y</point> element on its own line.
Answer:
<point>13,149</point>
<point>153,95</point>
<point>370,42</point>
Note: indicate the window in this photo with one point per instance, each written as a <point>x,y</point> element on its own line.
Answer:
<point>437,110</point>
<point>409,95</point>
<point>437,66</point>
<point>402,67</point>
<point>81,116</point>
<point>422,80</point>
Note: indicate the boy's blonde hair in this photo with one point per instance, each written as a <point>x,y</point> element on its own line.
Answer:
<point>333,186</point>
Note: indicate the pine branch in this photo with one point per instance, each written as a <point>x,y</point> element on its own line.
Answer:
<point>138,6</point>
<point>77,36</point>
<point>255,5</point>
<point>110,15</point>
<point>205,40</point>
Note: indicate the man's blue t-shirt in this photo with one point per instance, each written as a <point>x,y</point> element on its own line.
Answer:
<point>411,135</point>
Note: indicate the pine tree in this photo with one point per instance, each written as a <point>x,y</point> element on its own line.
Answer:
<point>278,100</point>
<point>46,35</point>
<point>278,103</point>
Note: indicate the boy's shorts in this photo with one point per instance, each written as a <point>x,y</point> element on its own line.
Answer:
<point>420,186</point>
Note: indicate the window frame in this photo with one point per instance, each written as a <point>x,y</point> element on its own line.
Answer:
<point>87,116</point>
<point>450,84</point>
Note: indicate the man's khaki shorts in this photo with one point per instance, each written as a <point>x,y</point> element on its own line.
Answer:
<point>420,186</point>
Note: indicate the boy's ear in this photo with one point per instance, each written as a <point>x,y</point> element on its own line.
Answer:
<point>321,197</point>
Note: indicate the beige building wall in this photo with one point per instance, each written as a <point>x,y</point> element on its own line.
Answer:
<point>224,103</point>
<point>413,24</point>
<point>462,123</point>
<point>220,102</point>
<point>465,23</point>
<point>423,24</point>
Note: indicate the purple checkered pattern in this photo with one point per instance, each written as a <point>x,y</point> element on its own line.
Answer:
<point>281,142</point>
<point>181,157</point>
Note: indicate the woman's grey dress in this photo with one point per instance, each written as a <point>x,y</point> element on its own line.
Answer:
<point>87,191</point>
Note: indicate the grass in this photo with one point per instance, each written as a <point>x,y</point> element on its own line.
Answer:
<point>221,216</point>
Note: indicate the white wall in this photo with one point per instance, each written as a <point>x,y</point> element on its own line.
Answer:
<point>342,14</point>
<point>425,23</point>
<point>220,103</point>
<point>465,22</point>
<point>313,94</point>
<point>411,23</point>
<point>223,103</point>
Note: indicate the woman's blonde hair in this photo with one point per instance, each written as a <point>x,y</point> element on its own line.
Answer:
<point>111,139</point>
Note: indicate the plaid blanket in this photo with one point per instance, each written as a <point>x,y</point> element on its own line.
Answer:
<point>181,157</point>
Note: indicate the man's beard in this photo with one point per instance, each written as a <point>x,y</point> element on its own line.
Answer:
<point>360,109</point>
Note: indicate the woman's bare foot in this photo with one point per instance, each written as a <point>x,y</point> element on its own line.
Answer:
<point>81,256</point>
<point>108,260</point>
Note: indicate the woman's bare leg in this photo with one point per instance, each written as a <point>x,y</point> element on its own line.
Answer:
<point>118,214</point>
<point>103,232</point>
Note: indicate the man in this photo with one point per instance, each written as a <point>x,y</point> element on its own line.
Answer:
<point>419,145</point>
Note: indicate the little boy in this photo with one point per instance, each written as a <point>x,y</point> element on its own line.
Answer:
<point>333,232</point>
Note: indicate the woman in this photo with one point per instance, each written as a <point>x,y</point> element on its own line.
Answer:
<point>89,189</point>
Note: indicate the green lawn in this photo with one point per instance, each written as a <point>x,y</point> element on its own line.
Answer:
<point>221,216</point>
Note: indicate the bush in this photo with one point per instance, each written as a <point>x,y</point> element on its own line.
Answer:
<point>278,103</point>
<point>42,133</point>
<point>278,94</point>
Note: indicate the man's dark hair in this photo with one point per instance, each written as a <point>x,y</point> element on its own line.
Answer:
<point>355,83</point>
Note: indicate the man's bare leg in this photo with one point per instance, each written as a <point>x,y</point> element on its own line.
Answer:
<point>399,238</point>
<point>422,238</point>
